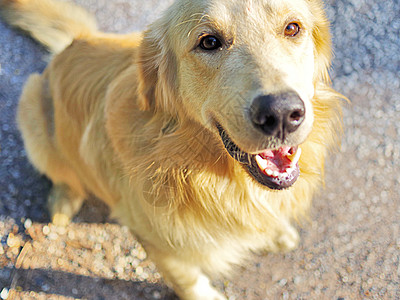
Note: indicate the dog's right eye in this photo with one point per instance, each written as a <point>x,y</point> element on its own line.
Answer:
<point>292,29</point>
<point>210,42</point>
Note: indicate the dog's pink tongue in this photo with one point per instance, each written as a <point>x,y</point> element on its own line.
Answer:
<point>278,159</point>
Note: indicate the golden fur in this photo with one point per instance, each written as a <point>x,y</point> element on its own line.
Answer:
<point>127,118</point>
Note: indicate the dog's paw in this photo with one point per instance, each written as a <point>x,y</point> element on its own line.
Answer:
<point>60,219</point>
<point>219,296</point>
<point>203,290</point>
<point>63,205</point>
<point>215,295</point>
<point>288,240</point>
<point>285,239</point>
<point>210,294</point>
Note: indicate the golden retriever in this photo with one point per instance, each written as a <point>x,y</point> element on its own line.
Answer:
<point>206,134</point>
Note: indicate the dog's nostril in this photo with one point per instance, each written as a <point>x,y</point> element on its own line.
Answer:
<point>270,122</point>
<point>297,115</point>
<point>265,120</point>
<point>294,119</point>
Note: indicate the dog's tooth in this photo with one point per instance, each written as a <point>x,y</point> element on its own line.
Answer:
<point>295,158</point>
<point>276,174</point>
<point>261,162</point>
<point>269,172</point>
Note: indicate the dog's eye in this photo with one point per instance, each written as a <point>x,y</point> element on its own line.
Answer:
<point>210,42</point>
<point>292,29</point>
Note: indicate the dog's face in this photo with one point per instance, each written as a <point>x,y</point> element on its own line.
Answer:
<point>247,70</point>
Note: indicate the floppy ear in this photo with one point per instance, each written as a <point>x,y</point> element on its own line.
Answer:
<point>322,42</point>
<point>157,68</point>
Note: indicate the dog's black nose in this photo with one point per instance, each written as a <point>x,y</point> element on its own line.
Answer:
<point>277,114</point>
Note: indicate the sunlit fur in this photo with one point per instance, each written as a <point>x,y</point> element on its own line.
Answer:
<point>110,116</point>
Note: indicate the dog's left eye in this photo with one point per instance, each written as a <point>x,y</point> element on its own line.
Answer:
<point>292,29</point>
<point>210,42</point>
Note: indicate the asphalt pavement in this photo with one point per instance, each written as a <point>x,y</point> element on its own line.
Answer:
<point>350,247</point>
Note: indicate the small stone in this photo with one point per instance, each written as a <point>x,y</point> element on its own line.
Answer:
<point>139,271</point>
<point>13,241</point>
<point>4,294</point>
<point>46,230</point>
<point>45,288</point>
<point>283,282</point>
<point>61,230</point>
<point>119,269</point>
<point>28,223</point>
<point>285,295</point>
<point>51,249</point>
<point>53,236</point>
<point>144,276</point>
<point>71,234</point>
<point>156,295</point>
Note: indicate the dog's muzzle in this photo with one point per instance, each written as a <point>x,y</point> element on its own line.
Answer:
<point>277,117</point>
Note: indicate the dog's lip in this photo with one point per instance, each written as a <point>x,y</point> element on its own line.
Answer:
<point>274,168</point>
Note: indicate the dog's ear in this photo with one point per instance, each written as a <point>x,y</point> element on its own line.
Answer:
<point>157,87</point>
<point>322,42</point>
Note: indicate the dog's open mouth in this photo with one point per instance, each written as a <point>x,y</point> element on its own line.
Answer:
<point>277,169</point>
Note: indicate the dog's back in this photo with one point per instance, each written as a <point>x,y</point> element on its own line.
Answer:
<point>54,25</point>
<point>53,118</point>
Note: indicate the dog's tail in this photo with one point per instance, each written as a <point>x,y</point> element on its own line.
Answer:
<point>53,23</point>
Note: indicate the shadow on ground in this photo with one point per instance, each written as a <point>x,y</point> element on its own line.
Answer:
<point>51,282</point>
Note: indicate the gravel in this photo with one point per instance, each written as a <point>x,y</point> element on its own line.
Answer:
<point>350,247</point>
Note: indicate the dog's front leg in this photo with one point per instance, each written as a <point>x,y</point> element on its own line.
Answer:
<point>187,280</point>
<point>285,238</point>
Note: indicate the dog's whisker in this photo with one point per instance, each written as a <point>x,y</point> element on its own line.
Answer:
<point>198,25</point>
<point>198,20</point>
<point>187,21</point>
<point>204,16</point>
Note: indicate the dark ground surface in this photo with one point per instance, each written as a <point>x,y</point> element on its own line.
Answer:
<point>350,248</point>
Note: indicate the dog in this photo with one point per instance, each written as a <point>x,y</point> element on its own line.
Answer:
<point>206,134</point>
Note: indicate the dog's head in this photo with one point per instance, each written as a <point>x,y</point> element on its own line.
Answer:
<point>246,70</point>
